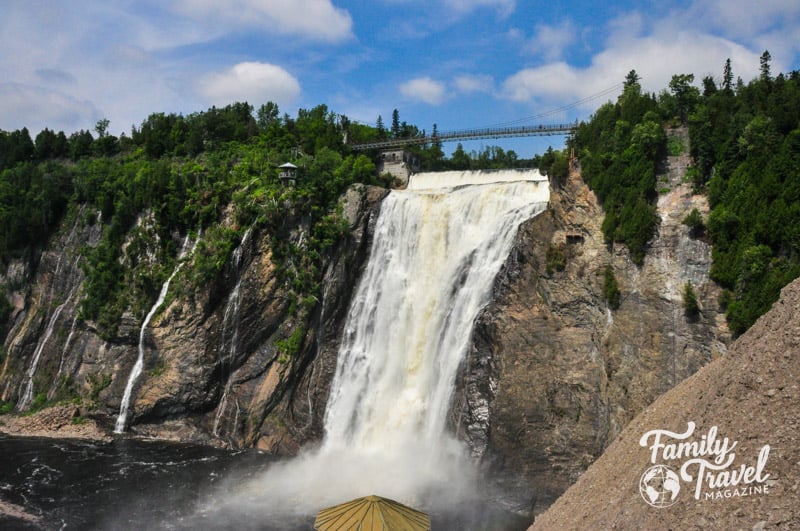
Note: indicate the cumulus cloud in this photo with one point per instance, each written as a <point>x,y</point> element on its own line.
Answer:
<point>471,83</point>
<point>253,82</point>
<point>655,58</point>
<point>550,42</point>
<point>312,19</point>
<point>36,107</point>
<point>424,89</point>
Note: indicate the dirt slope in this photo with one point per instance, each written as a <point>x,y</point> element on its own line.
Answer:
<point>752,397</point>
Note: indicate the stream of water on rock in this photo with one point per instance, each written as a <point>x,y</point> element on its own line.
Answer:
<point>122,418</point>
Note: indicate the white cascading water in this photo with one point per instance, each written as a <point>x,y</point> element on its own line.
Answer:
<point>431,269</point>
<point>27,395</point>
<point>437,249</point>
<point>122,418</point>
<point>230,318</point>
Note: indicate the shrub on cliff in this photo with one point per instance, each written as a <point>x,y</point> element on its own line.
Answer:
<point>611,291</point>
<point>691,308</point>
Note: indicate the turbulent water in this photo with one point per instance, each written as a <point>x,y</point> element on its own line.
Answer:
<point>437,249</point>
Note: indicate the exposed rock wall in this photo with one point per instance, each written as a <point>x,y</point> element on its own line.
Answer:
<point>554,373</point>
<point>213,371</point>
<point>750,397</point>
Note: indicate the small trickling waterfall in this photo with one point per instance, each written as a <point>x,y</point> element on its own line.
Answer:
<point>72,279</point>
<point>230,319</point>
<point>122,418</point>
<point>436,251</point>
<point>27,395</point>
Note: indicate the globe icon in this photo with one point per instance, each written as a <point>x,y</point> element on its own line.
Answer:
<point>659,486</point>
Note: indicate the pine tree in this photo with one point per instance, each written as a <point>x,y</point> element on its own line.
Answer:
<point>765,59</point>
<point>727,76</point>
<point>381,129</point>
<point>395,123</point>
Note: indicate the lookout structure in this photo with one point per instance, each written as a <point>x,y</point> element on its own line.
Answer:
<point>288,174</point>
<point>399,163</point>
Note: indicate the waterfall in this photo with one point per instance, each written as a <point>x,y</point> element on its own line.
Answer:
<point>436,251</point>
<point>139,365</point>
<point>27,395</point>
<point>431,269</point>
<point>231,315</point>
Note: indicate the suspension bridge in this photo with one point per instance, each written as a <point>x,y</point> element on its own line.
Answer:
<point>507,130</point>
<point>471,134</point>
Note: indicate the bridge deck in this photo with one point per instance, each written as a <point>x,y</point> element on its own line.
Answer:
<point>472,134</point>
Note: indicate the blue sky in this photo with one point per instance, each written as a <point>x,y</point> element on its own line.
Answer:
<point>456,63</point>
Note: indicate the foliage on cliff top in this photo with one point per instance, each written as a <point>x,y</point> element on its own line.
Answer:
<point>745,142</point>
<point>620,149</point>
<point>215,171</point>
<point>746,145</point>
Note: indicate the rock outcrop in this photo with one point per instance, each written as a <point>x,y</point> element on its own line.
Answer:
<point>555,373</point>
<point>751,396</point>
<point>213,367</point>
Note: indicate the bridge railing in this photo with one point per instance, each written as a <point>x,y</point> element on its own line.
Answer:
<point>472,134</point>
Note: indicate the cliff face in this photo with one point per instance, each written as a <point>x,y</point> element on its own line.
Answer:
<point>554,373</point>
<point>213,367</point>
<point>749,398</point>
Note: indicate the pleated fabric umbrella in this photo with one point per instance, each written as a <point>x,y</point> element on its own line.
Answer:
<point>371,513</point>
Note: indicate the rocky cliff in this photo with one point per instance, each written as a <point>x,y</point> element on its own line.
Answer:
<point>214,369</point>
<point>555,373</point>
<point>745,401</point>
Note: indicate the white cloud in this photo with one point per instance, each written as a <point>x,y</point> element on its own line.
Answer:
<point>253,82</point>
<point>744,18</point>
<point>550,42</point>
<point>504,7</point>
<point>655,58</point>
<point>36,107</point>
<point>424,89</point>
<point>469,83</point>
<point>312,19</point>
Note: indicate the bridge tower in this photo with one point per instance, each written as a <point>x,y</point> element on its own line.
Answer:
<point>398,162</point>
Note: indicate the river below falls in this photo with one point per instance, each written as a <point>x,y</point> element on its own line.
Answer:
<point>135,484</point>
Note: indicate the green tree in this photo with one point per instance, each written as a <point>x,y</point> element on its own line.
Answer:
<point>611,291</point>
<point>764,66</point>
<point>395,124</point>
<point>380,128</point>
<point>268,115</point>
<point>727,76</point>
<point>691,308</point>
<point>459,160</point>
<point>684,93</point>
<point>694,220</point>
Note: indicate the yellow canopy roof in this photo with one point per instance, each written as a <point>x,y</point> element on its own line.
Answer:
<point>371,513</point>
